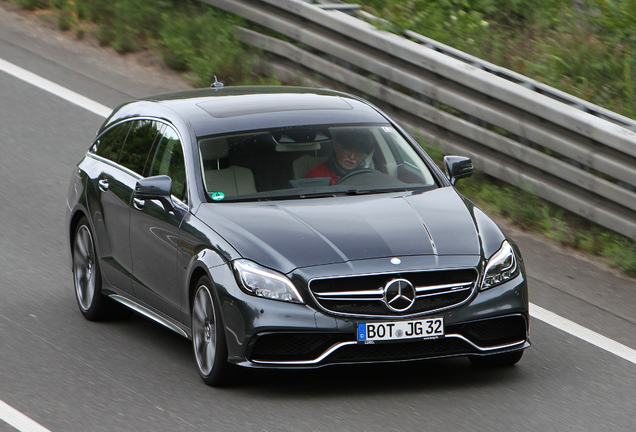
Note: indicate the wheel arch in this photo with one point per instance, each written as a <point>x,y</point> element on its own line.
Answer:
<point>197,273</point>
<point>201,264</point>
<point>74,222</point>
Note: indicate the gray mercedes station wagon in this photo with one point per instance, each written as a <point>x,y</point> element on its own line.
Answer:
<point>283,227</point>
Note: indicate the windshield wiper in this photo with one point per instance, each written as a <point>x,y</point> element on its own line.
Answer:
<point>414,189</point>
<point>374,191</point>
<point>319,195</point>
<point>352,192</point>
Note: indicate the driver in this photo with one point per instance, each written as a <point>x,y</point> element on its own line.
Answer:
<point>350,148</point>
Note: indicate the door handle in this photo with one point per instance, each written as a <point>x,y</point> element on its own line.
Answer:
<point>103,185</point>
<point>139,203</point>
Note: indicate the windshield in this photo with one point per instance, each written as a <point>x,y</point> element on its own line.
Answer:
<point>310,161</point>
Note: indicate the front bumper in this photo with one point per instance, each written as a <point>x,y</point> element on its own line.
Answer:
<point>482,337</point>
<point>264,333</point>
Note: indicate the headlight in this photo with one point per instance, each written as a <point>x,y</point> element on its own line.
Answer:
<point>266,283</point>
<point>501,267</point>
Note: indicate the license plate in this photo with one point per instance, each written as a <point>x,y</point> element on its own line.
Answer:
<point>432,328</point>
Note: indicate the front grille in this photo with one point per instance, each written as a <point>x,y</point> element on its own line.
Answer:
<point>364,295</point>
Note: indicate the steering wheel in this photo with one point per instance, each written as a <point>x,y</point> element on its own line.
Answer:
<point>356,172</point>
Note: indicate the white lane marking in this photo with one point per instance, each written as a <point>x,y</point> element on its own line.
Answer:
<point>18,420</point>
<point>55,89</point>
<point>583,333</point>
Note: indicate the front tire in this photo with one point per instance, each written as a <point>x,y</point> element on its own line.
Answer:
<point>208,337</point>
<point>87,276</point>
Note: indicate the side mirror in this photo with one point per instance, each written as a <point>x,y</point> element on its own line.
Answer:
<point>155,188</point>
<point>458,167</point>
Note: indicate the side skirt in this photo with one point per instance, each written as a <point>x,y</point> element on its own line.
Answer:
<point>155,316</point>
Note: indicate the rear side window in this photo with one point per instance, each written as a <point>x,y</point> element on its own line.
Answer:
<point>140,139</point>
<point>109,144</point>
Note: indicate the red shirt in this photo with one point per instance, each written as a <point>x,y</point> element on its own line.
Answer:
<point>323,171</point>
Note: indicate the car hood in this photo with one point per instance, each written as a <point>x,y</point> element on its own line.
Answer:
<point>286,235</point>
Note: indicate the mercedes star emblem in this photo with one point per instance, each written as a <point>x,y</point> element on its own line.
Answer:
<point>399,295</point>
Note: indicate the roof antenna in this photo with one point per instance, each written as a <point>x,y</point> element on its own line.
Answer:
<point>216,83</point>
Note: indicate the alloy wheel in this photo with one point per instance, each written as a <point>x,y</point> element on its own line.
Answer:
<point>84,270</point>
<point>204,330</point>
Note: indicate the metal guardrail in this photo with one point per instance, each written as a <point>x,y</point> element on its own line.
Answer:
<point>566,150</point>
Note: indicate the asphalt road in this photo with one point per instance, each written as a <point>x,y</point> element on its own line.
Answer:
<point>68,374</point>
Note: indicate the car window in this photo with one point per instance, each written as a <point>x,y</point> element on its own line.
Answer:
<point>167,159</point>
<point>140,139</point>
<point>306,161</point>
<point>110,143</point>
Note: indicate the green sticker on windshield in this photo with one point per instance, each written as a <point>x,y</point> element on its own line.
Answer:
<point>217,196</point>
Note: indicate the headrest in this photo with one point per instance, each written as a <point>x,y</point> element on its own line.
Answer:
<point>214,148</point>
<point>358,139</point>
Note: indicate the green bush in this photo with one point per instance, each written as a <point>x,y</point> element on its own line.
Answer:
<point>583,47</point>
<point>622,255</point>
<point>204,41</point>
<point>192,37</point>
<point>126,25</point>
<point>30,4</point>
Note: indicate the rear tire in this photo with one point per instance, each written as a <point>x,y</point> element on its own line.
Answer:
<point>208,337</point>
<point>497,360</point>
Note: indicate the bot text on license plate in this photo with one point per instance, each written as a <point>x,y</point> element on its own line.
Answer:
<point>431,328</point>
